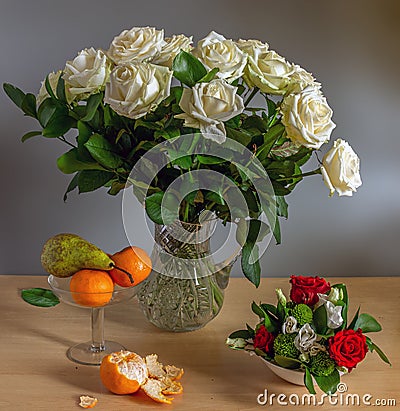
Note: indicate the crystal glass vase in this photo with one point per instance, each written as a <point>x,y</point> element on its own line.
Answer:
<point>186,288</point>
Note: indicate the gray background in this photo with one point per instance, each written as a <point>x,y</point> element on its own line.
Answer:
<point>351,47</point>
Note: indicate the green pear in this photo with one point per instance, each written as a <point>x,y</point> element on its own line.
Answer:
<point>65,254</point>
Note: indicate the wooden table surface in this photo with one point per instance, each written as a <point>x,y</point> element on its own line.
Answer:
<point>35,373</point>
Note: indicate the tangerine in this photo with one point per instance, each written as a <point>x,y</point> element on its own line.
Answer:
<point>123,372</point>
<point>91,288</point>
<point>134,261</point>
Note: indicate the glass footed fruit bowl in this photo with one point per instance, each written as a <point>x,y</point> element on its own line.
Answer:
<point>91,352</point>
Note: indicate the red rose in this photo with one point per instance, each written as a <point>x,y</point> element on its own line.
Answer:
<point>264,340</point>
<point>347,348</point>
<point>305,289</point>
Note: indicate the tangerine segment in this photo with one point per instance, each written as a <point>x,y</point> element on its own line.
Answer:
<point>135,261</point>
<point>123,372</point>
<point>91,288</point>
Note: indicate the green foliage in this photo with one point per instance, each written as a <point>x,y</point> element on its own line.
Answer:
<point>367,323</point>
<point>40,297</point>
<point>302,313</point>
<point>321,364</point>
<point>284,346</point>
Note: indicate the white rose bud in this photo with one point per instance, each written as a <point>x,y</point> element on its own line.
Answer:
<point>307,118</point>
<point>215,51</point>
<point>53,80</point>
<point>207,105</point>
<point>172,47</point>
<point>281,296</point>
<point>289,326</point>
<point>268,71</point>
<point>137,88</point>
<point>136,44</point>
<point>341,169</point>
<point>305,338</point>
<point>87,73</point>
<point>300,79</point>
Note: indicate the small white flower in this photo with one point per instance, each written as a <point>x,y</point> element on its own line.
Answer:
<point>341,169</point>
<point>290,325</point>
<point>334,296</point>
<point>305,339</point>
<point>334,315</point>
<point>207,105</point>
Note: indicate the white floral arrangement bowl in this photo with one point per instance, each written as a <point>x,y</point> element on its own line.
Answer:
<point>308,340</point>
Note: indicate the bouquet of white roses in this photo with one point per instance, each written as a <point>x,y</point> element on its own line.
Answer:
<point>147,89</point>
<point>310,332</point>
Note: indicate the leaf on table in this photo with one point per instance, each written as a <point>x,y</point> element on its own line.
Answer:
<point>40,297</point>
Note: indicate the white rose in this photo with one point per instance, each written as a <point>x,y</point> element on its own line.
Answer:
<point>215,51</point>
<point>305,338</point>
<point>307,118</point>
<point>138,43</point>
<point>268,71</point>
<point>290,325</point>
<point>252,47</point>
<point>53,80</point>
<point>341,169</point>
<point>87,73</point>
<point>172,47</point>
<point>300,79</point>
<point>207,105</point>
<point>137,88</point>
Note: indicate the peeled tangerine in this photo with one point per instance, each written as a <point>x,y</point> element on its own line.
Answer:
<point>125,372</point>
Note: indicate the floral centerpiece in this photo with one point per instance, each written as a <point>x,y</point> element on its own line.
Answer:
<point>310,332</point>
<point>147,91</point>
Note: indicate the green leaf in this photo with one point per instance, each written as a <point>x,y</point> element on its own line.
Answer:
<point>165,214</point>
<point>287,362</point>
<point>205,159</point>
<point>257,310</point>
<point>69,163</point>
<point>308,381</point>
<point>28,105</point>
<point>90,180</point>
<point>329,383</point>
<point>209,76</point>
<point>48,88</point>
<point>367,323</point>
<point>58,126</point>
<point>93,103</point>
<point>40,297</point>
<point>241,136</point>
<point>184,162</point>
<point>251,269</point>
<point>353,321</point>
<point>14,93</point>
<point>269,308</point>
<point>281,207</point>
<point>103,151</point>
<point>320,320</point>
<point>46,111</point>
<point>270,138</point>
<point>188,69</point>
<point>241,334</point>
<point>29,135</point>
<point>60,90</point>
<point>71,186</point>
<point>277,231</point>
<point>373,347</point>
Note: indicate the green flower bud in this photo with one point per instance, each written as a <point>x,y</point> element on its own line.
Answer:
<point>303,314</point>
<point>281,297</point>
<point>284,345</point>
<point>321,365</point>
